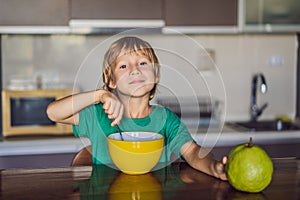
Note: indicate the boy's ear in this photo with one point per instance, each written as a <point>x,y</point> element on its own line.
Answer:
<point>112,84</point>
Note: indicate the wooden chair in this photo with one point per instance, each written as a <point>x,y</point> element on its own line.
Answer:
<point>83,157</point>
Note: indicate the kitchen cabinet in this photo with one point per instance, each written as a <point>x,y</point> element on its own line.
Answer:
<point>39,152</point>
<point>116,9</point>
<point>113,16</point>
<point>34,12</point>
<point>36,161</point>
<point>186,16</point>
<point>269,15</point>
<point>201,13</point>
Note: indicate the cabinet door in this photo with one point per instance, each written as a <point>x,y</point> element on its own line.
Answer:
<point>201,12</point>
<point>270,15</point>
<point>34,12</point>
<point>116,9</point>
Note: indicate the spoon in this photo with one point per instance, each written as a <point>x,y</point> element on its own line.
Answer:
<point>120,132</point>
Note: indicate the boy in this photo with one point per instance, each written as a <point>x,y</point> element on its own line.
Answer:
<point>130,76</point>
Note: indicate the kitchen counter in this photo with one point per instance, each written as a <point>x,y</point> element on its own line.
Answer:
<point>277,143</point>
<point>41,145</point>
<point>70,144</point>
<point>176,181</point>
<point>232,137</point>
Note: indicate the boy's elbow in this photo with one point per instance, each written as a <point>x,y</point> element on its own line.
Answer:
<point>50,113</point>
<point>58,115</point>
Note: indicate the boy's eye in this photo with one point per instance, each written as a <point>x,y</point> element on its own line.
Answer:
<point>123,67</point>
<point>143,63</point>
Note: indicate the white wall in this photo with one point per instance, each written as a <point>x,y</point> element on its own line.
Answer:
<point>186,69</point>
<point>239,57</point>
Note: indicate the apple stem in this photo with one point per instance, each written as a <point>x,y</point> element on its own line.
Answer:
<point>250,144</point>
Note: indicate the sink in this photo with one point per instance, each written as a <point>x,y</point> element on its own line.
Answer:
<point>273,125</point>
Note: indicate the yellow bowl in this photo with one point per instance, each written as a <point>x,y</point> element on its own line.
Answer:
<point>137,153</point>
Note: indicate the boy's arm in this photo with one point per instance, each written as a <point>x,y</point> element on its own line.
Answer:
<point>202,160</point>
<point>66,110</point>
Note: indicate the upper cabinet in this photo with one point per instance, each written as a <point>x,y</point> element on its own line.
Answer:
<point>88,16</point>
<point>270,15</point>
<point>201,13</point>
<point>34,12</point>
<point>34,16</point>
<point>201,16</point>
<point>116,9</point>
<point>173,16</point>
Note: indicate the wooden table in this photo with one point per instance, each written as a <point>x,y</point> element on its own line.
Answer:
<point>177,181</point>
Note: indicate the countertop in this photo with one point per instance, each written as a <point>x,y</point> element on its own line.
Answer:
<point>176,181</point>
<point>41,145</point>
<point>212,138</point>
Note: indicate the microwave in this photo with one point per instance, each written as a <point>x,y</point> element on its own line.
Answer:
<point>24,112</point>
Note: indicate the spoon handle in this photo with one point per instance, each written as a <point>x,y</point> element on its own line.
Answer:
<point>120,132</point>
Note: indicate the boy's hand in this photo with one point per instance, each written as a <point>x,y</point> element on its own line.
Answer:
<point>202,160</point>
<point>112,107</point>
<point>219,169</point>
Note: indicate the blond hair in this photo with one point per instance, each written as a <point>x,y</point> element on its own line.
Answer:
<point>128,45</point>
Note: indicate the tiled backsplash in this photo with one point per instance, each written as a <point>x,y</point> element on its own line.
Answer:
<point>68,60</point>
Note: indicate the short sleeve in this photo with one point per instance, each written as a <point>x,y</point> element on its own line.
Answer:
<point>177,133</point>
<point>86,117</point>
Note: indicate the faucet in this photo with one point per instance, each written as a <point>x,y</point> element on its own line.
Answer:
<point>255,111</point>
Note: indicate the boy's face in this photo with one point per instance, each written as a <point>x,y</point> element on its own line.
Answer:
<point>133,75</point>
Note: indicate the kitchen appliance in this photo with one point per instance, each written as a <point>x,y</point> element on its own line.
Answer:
<point>24,112</point>
<point>198,112</point>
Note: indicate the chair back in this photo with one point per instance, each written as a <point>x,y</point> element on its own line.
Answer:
<point>83,157</point>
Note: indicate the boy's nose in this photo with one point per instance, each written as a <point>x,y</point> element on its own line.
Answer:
<point>135,71</point>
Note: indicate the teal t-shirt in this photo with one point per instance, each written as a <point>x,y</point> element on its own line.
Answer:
<point>95,125</point>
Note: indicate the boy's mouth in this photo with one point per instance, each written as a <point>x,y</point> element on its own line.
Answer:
<point>136,81</point>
